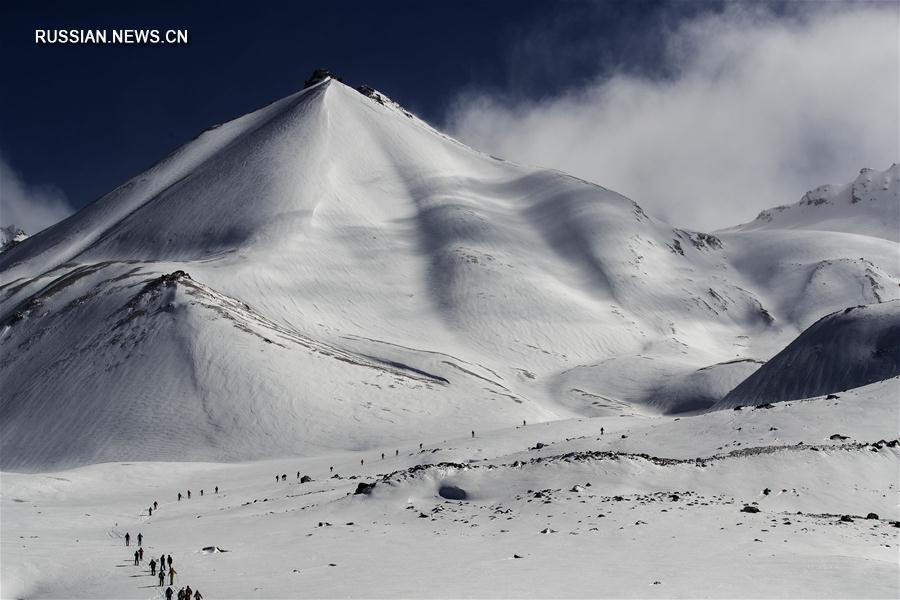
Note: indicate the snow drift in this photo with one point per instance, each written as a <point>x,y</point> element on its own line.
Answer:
<point>844,350</point>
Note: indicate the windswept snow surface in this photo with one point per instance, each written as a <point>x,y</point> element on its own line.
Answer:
<point>867,206</point>
<point>653,507</point>
<point>848,349</point>
<point>352,275</point>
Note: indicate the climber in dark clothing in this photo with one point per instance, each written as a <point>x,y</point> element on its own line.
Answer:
<point>169,591</point>
<point>151,511</point>
<point>169,560</point>
<point>141,553</point>
<point>179,496</point>
<point>127,539</point>
<point>189,494</point>
<point>162,577</point>
<point>217,489</point>
<point>154,504</point>
<point>135,558</point>
<point>152,566</point>
<point>197,595</point>
<point>140,539</point>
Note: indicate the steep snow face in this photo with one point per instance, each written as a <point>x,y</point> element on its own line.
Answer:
<point>350,264</point>
<point>123,366</point>
<point>870,205</point>
<point>848,349</point>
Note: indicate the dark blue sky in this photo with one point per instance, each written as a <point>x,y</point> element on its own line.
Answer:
<point>85,118</point>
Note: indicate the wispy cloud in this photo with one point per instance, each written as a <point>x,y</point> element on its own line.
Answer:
<point>754,109</point>
<point>29,207</point>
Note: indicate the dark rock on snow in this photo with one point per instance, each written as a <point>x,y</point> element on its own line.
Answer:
<point>364,488</point>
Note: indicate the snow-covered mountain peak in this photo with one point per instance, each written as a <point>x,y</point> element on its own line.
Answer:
<point>869,205</point>
<point>10,236</point>
<point>350,264</point>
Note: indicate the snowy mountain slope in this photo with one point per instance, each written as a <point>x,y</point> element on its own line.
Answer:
<point>351,226</point>
<point>870,205</point>
<point>180,371</point>
<point>656,502</point>
<point>847,349</point>
<point>643,383</point>
<point>807,275</point>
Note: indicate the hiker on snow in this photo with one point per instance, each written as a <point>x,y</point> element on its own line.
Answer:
<point>140,539</point>
<point>172,574</point>
<point>162,579</point>
<point>169,591</point>
<point>135,558</point>
<point>141,553</point>
<point>152,566</point>
<point>127,539</point>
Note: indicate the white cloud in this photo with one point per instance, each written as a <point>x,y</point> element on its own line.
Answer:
<point>758,110</point>
<point>29,207</point>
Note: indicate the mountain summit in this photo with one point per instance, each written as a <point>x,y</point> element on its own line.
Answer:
<point>867,206</point>
<point>331,272</point>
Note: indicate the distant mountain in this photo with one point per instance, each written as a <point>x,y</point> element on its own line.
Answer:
<point>870,205</point>
<point>844,350</point>
<point>10,236</point>
<point>332,272</point>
